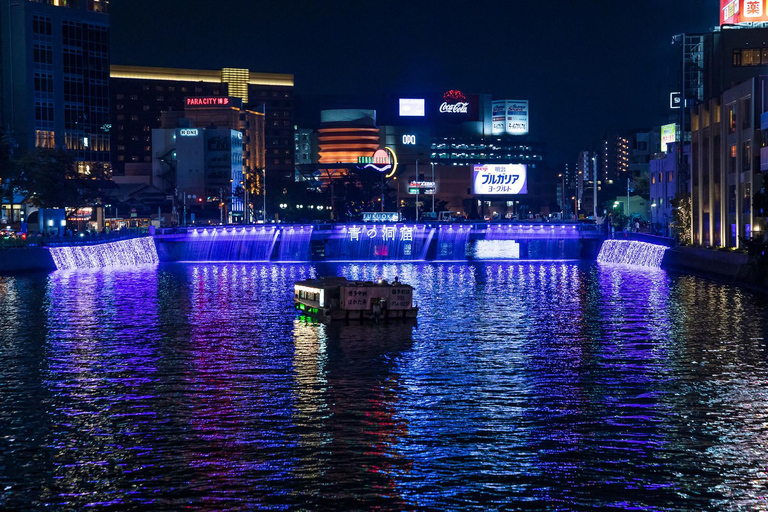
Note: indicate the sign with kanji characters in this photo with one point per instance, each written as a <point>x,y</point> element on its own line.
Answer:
<point>733,12</point>
<point>494,179</point>
<point>400,298</point>
<point>356,298</point>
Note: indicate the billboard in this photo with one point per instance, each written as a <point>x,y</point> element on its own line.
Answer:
<point>412,107</point>
<point>492,179</point>
<point>510,117</point>
<point>668,135</point>
<point>743,11</point>
<point>499,117</point>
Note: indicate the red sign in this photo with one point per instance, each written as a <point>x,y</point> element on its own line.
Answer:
<point>743,11</point>
<point>209,101</point>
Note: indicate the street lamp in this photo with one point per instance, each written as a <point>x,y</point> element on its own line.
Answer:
<point>562,195</point>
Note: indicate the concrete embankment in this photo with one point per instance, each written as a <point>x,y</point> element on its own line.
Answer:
<point>25,259</point>
<point>724,266</point>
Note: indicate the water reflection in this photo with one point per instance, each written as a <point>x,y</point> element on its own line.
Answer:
<point>538,386</point>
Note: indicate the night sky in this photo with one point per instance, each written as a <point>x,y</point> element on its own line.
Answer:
<point>585,66</point>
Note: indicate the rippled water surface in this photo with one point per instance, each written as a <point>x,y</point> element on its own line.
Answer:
<point>531,386</point>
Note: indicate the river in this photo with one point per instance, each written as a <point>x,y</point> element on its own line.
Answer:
<point>524,386</point>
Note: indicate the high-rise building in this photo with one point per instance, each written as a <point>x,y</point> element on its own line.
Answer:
<point>55,76</point>
<point>140,94</point>
<point>615,158</point>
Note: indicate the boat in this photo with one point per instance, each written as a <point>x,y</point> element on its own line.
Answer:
<point>336,298</point>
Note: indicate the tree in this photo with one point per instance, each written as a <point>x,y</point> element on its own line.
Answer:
<point>760,199</point>
<point>682,218</point>
<point>643,186</point>
<point>8,176</point>
<point>50,179</point>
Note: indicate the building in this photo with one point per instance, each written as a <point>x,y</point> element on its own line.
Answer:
<point>55,77</point>
<point>664,170</point>
<point>587,165</point>
<point>726,164</point>
<point>141,94</point>
<point>615,158</point>
<point>444,131</point>
<point>304,145</point>
<point>207,164</point>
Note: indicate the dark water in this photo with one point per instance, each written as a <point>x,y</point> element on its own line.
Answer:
<point>543,386</point>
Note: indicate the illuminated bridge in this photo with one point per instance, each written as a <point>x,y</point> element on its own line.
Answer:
<point>380,242</point>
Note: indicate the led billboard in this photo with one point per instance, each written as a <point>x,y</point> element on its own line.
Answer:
<point>412,107</point>
<point>493,179</point>
<point>743,11</point>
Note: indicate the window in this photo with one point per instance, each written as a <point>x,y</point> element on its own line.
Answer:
<point>746,112</point>
<point>746,156</point>
<point>731,118</point>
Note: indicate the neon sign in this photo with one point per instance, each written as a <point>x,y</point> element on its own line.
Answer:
<point>383,160</point>
<point>385,233</point>
<point>454,102</point>
<point>189,132</point>
<point>209,101</point>
<point>409,140</point>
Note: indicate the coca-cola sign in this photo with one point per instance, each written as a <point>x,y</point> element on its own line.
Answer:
<point>454,108</point>
<point>454,102</point>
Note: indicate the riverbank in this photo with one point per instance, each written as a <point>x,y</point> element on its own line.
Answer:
<point>723,266</point>
<point>26,259</point>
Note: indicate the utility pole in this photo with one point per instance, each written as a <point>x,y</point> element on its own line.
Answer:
<point>264,161</point>
<point>417,192</point>
<point>594,174</point>
<point>628,197</point>
<point>435,189</point>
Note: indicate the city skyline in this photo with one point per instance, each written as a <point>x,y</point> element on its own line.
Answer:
<point>579,85</point>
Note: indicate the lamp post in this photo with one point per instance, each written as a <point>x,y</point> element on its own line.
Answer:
<point>562,195</point>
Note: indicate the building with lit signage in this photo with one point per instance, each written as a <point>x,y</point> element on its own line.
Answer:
<point>206,113</point>
<point>663,179</point>
<point>441,137</point>
<point>55,77</point>
<point>202,163</point>
<point>140,94</point>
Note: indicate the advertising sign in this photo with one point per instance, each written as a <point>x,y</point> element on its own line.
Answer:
<point>412,107</point>
<point>213,102</point>
<point>499,117</point>
<point>743,11</point>
<point>668,135</point>
<point>381,217</point>
<point>454,103</point>
<point>491,179</point>
<point>517,117</point>
<point>675,100</point>
<point>400,298</point>
<point>510,117</point>
<point>383,160</point>
<point>422,187</point>
<point>356,298</point>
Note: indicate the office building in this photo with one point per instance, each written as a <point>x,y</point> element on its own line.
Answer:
<point>141,94</point>
<point>726,163</point>
<point>205,163</point>
<point>55,77</point>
